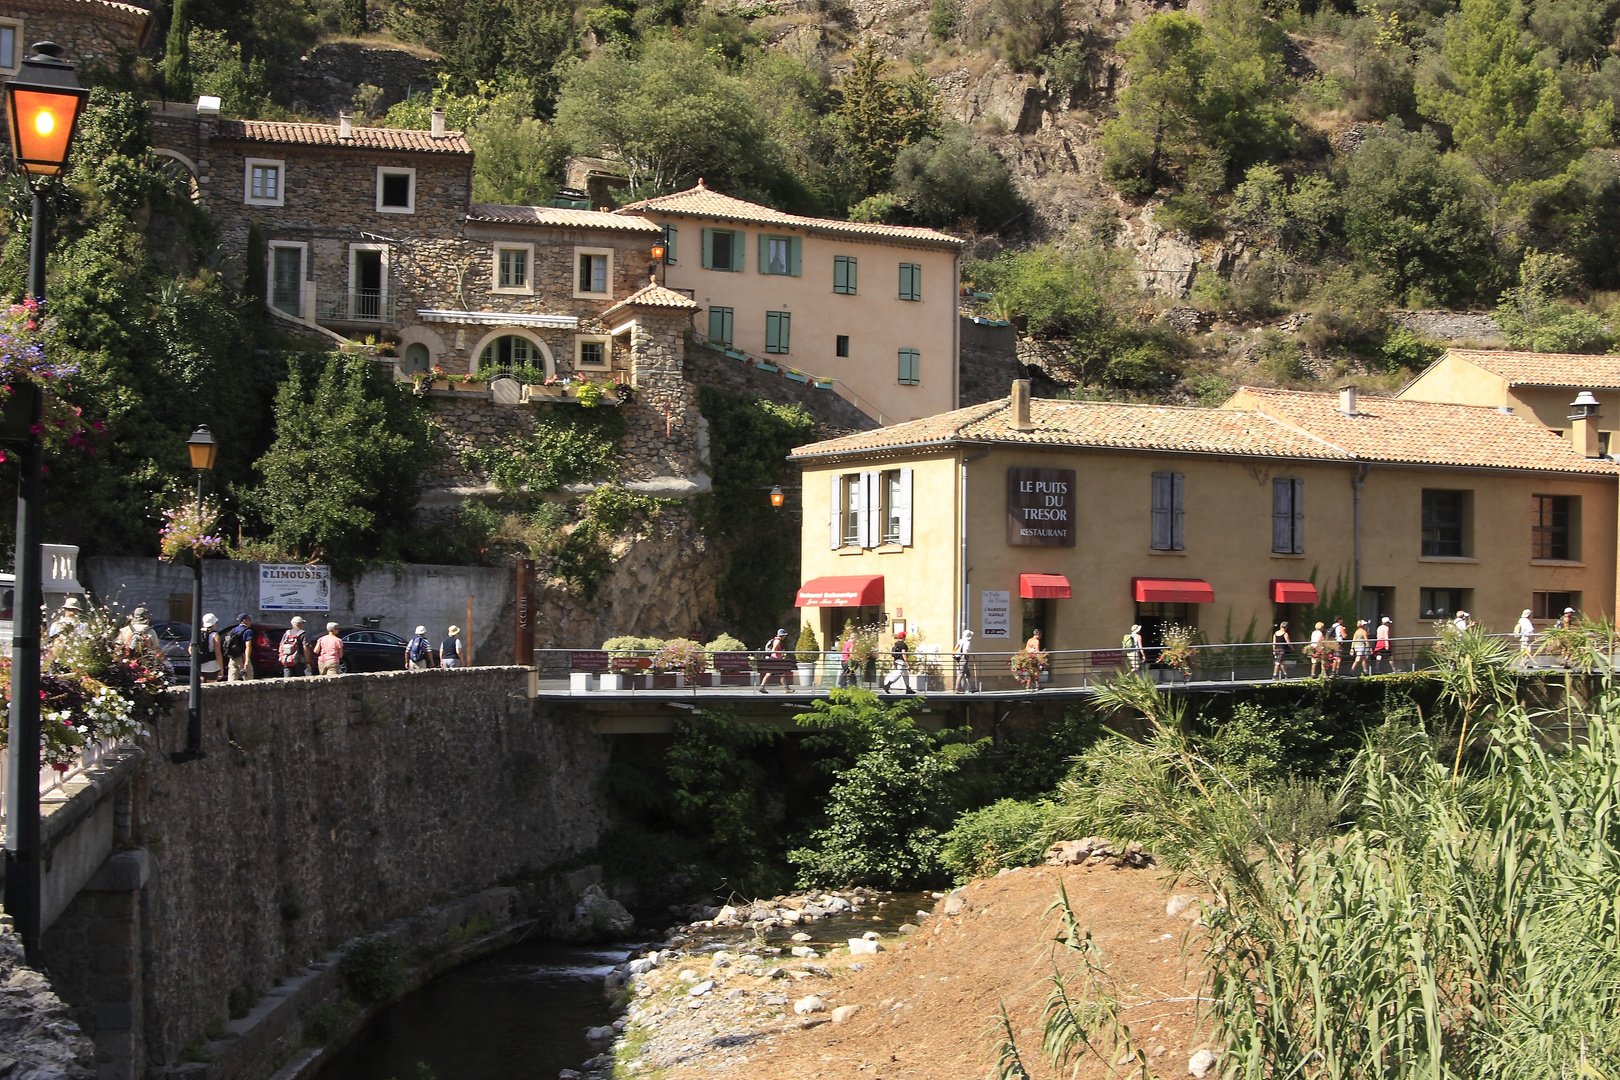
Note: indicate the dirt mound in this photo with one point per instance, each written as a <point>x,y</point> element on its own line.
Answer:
<point>928,1004</point>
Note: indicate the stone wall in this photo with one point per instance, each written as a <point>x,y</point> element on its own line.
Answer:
<point>38,1036</point>
<point>328,78</point>
<point>90,33</point>
<point>329,807</point>
<point>989,361</point>
<point>834,415</point>
<point>1442,325</point>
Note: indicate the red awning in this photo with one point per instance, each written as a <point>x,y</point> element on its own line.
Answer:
<point>1150,590</point>
<point>1047,586</point>
<point>1292,592</point>
<point>857,591</point>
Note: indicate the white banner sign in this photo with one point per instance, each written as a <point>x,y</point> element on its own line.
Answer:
<point>995,614</point>
<point>293,587</point>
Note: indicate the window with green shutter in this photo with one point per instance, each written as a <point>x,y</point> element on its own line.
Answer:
<point>669,243</point>
<point>910,367</point>
<point>724,249</point>
<point>780,255</point>
<point>844,274</point>
<point>777,326</point>
<point>720,325</point>
<point>910,281</point>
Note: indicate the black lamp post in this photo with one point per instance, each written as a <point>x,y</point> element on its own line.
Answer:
<point>43,103</point>
<point>203,449</point>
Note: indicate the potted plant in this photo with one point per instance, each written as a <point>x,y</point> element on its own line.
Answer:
<point>552,387</point>
<point>589,395</point>
<point>471,383</point>
<point>796,375</point>
<point>440,378</point>
<point>685,658</point>
<point>623,391</point>
<point>766,365</point>
<point>823,384</point>
<point>1177,654</point>
<point>863,652</point>
<point>387,348</point>
<point>735,649</point>
<point>805,655</point>
<point>1027,667</point>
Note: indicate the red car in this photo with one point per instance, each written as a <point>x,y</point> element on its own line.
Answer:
<point>267,650</point>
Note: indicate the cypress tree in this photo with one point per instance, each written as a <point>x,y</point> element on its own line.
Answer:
<point>177,54</point>
<point>253,281</point>
<point>354,17</point>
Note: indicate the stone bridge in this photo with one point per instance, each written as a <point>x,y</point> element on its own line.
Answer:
<point>194,910</point>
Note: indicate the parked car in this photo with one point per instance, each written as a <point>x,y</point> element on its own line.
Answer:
<point>371,650</point>
<point>176,639</point>
<point>266,650</point>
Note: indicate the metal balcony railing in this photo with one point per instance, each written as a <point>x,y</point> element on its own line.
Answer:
<point>371,306</point>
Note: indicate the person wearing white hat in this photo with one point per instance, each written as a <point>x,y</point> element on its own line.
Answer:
<point>69,620</point>
<point>329,651</point>
<point>418,651</point>
<point>963,651</point>
<point>1381,645</point>
<point>297,658</point>
<point>450,648</point>
<point>1527,634</point>
<point>212,650</point>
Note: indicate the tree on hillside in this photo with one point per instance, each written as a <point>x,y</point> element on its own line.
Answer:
<point>353,17</point>
<point>340,480</point>
<point>176,55</point>
<point>1533,314</point>
<point>1198,90</point>
<point>672,116</point>
<point>946,181</point>
<point>487,40</point>
<point>878,116</point>
<point>1507,115</point>
<point>1412,213</point>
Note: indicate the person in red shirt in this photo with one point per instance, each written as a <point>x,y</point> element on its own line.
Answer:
<point>329,651</point>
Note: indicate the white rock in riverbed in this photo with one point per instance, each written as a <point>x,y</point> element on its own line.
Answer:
<point>701,988</point>
<point>843,1013</point>
<point>807,1005</point>
<point>863,947</point>
<point>1200,1064</point>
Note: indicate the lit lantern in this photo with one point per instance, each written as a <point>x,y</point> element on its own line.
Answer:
<point>44,102</point>
<point>777,498</point>
<point>203,449</point>
<point>658,252</point>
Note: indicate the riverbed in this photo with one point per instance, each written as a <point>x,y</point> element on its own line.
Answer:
<point>518,1013</point>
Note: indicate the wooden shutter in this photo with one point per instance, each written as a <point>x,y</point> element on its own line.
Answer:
<point>773,331</point>
<point>840,274</point>
<point>739,251</point>
<point>910,281</point>
<point>669,243</point>
<point>795,256</point>
<point>1163,512</point>
<point>784,330</point>
<point>708,249</point>
<point>1298,501</point>
<point>1178,499</point>
<point>837,512</point>
<point>764,254</point>
<point>902,507</point>
<point>1282,516</point>
<point>720,325</point>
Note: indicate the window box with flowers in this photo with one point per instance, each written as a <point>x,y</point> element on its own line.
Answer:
<point>1027,667</point>
<point>685,659</point>
<point>471,384</point>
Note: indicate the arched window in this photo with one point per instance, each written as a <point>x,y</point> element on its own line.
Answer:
<point>507,353</point>
<point>416,357</point>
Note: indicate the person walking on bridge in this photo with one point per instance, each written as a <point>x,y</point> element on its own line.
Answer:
<point>296,657</point>
<point>1360,647</point>
<point>450,649</point>
<point>329,651</point>
<point>773,651</point>
<point>418,652</point>
<point>1280,648</point>
<point>964,653</point>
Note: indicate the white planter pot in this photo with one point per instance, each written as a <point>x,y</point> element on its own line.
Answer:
<point>806,674</point>
<point>614,680</point>
<point>579,682</point>
<point>712,678</point>
<point>680,680</point>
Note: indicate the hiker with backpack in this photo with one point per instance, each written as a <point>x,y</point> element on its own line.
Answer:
<point>213,665</point>
<point>238,644</point>
<point>139,639</point>
<point>1131,645</point>
<point>296,656</point>
<point>418,653</point>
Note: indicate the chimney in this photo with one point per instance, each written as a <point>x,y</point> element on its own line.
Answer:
<point>436,119</point>
<point>207,107</point>
<point>1020,406</point>
<point>1347,400</point>
<point>345,125</point>
<point>1584,432</point>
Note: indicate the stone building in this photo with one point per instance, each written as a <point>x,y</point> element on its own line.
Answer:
<point>91,32</point>
<point>369,234</point>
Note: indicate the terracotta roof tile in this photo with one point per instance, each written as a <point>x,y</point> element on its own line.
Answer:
<point>655,296</point>
<point>1098,424</point>
<point>1423,432</point>
<point>365,138</point>
<point>701,202</point>
<point>1578,371</point>
<point>560,217</point>
<point>126,13</point>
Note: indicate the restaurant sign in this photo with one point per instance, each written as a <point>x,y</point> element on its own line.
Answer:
<point>1040,507</point>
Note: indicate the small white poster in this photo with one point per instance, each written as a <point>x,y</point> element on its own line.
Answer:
<point>995,614</point>
<point>294,587</point>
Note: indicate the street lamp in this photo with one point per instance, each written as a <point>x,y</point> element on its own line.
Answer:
<point>43,102</point>
<point>777,498</point>
<point>203,450</point>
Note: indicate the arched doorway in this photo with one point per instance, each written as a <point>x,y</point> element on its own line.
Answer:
<point>416,358</point>
<point>515,351</point>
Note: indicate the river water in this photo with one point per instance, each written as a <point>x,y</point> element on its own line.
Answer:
<point>516,1014</point>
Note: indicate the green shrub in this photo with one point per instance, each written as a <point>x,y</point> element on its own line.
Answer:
<point>943,18</point>
<point>1348,311</point>
<point>625,644</point>
<point>808,649</point>
<point>950,180</point>
<point>725,643</point>
<point>880,209</point>
<point>1005,833</point>
<point>1281,358</point>
<point>1403,349</point>
<point>373,968</point>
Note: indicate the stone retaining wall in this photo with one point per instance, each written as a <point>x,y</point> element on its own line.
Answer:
<point>326,808</point>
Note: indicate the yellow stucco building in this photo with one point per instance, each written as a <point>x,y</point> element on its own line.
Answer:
<point>1539,386</point>
<point>1082,518</point>
<point>871,307</point>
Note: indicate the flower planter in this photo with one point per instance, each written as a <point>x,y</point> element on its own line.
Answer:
<point>824,384</point>
<point>440,384</point>
<point>797,377</point>
<point>766,367</point>
<point>474,387</point>
<point>579,682</point>
<point>806,674</point>
<point>540,390</point>
<point>615,680</point>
